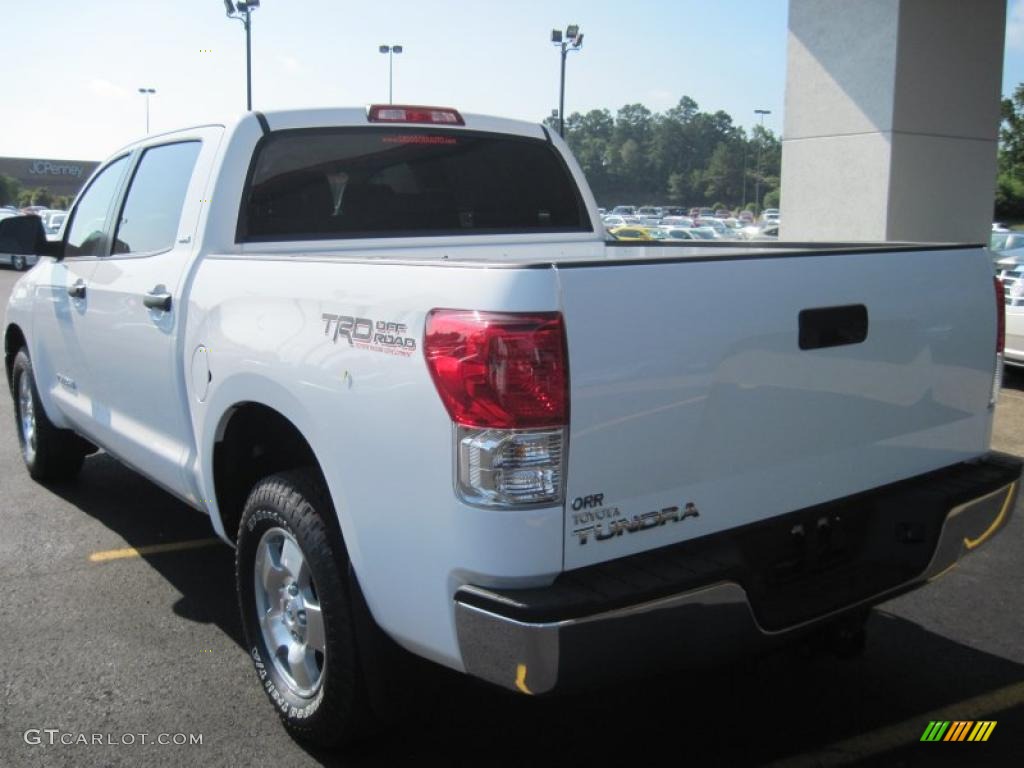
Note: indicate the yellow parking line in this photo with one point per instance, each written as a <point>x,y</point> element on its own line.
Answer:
<point>151,549</point>
<point>891,737</point>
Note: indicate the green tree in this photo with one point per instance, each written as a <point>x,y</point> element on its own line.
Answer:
<point>724,173</point>
<point>9,189</point>
<point>25,197</point>
<point>1009,200</point>
<point>683,155</point>
<point>42,196</point>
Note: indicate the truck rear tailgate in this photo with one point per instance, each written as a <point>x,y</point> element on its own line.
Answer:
<point>694,407</point>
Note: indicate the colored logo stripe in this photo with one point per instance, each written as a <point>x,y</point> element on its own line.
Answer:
<point>982,730</point>
<point>958,730</point>
<point>935,730</point>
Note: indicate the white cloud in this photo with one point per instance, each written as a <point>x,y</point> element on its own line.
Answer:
<point>107,89</point>
<point>1015,26</point>
<point>289,63</point>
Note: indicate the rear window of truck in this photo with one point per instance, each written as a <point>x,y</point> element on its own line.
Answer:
<point>379,182</point>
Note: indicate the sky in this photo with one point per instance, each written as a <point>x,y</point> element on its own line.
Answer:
<point>70,88</point>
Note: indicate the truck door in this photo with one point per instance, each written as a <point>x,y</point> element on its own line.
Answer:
<point>61,365</point>
<point>132,327</point>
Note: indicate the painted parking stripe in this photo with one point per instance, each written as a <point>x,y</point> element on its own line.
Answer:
<point>151,549</point>
<point>898,735</point>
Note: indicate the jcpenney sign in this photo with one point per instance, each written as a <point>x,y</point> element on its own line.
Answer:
<point>46,168</point>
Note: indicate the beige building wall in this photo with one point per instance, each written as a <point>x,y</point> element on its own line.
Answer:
<point>891,119</point>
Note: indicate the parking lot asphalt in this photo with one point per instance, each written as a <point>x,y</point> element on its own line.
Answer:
<point>127,645</point>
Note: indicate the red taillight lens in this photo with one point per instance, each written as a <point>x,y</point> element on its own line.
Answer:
<point>499,370</point>
<point>1000,317</point>
<point>404,113</point>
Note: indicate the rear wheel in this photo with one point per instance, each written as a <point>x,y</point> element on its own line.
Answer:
<point>50,454</point>
<point>19,262</point>
<point>296,609</point>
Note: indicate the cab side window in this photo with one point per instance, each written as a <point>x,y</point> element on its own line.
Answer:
<point>87,233</point>
<point>152,210</point>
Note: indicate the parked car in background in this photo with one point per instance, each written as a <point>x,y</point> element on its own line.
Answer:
<point>677,221</point>
<point>54,224</point>
<point>721,229</point>
<point>704,233</point>
<point>1010,271</point>
<point>624,210</point>
<point>678,233</point>
<point>1006,240</point>
<point>630,233</point>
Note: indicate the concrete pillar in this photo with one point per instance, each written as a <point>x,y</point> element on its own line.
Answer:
<point>891,119</point>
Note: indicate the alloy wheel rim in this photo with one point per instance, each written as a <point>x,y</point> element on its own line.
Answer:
<point>27,418</point>
<point>288,612</point>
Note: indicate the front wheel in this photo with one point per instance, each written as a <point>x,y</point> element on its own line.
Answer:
<point>296,609</point>
<point>19,262</point>
<point>50,454</point>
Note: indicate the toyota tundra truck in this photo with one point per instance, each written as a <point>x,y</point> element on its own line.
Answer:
<point>393,355</point>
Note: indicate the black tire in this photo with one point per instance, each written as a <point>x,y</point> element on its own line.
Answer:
<point>55,455</point>
<point>19,262</point>
<point>337,710</point>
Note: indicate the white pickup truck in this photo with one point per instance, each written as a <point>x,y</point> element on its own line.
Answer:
<point>393,355</point>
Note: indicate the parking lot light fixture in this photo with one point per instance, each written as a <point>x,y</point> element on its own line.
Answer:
<point>390,50</point>
<point>757,175</point>
<point>242,10</point>
<point>572,40</point>
<point>147,92</point>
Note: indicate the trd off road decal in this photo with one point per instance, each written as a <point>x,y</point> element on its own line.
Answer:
<point>373,335</point>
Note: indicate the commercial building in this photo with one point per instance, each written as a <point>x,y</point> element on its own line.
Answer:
<point>61,177</point>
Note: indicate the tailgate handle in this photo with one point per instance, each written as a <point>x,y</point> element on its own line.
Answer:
<point>833,326</point>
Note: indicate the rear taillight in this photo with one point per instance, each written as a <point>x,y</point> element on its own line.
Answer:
<point>503,378</point>
<point>997,377</point>
<point>499,370</point>
<point>403,113</point>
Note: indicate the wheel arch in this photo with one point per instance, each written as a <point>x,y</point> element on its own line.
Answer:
<point>253,440</point>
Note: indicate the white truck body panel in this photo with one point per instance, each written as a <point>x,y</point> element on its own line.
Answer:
<point>699,392</point>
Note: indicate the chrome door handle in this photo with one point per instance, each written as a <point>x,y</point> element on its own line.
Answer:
<point>158,300</point>
<point>77,291</point>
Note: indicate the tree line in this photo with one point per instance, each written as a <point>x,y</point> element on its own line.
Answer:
<point>682,156</point>
<point>1010,178</point>
<point>12,193</point>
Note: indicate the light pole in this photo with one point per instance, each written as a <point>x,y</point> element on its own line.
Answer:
<point>743,207</point>
<point>390,50</point>
<point>571,41</point>
<point>757,176</point>
<point>242,10</point>
<point>147,92</point>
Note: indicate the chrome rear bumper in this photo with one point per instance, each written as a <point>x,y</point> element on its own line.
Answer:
<point>502,640</point>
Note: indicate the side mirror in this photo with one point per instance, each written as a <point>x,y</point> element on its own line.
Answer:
<point>25,235</point>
